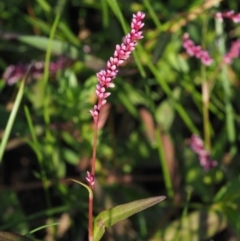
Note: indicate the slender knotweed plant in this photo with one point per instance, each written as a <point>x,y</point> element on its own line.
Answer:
<point>105,80</point>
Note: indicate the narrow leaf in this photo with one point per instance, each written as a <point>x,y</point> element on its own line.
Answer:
<point>111,216</point>
<point>228,192</point>
<point>7,236</point>
<point>62,48</point>
<point>58,47</point>
<point>12,117</point>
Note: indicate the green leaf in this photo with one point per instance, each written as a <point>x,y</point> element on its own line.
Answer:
<point>198,225</point>
<point>163,40</point>
<point>7,236</point>
<point>111,216</point>
<point>43,26</point>
<point>12,117</point>
<point>165,115</point>
<point>228,192</point>
<point>70,156</point>
<point>62,48</point>
<point>84,185</point>
<point>58,47</point>
<point>44,5</point>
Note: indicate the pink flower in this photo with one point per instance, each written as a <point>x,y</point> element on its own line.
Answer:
<point>233,53</point>
<point>13,73</point>
<point>90,179</point>
<point>196,50</point>
<point>121,53</point>
<point>204,158</point>
<point>229,14</point>
<point>196,144</point>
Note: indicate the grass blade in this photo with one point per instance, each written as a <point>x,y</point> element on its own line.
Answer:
<point>12,116</point>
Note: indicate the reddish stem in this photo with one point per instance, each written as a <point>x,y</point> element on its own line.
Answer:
<point>90,219</point>
<point>90,204</point>
<point>94,147</point>
<point>105,78</point>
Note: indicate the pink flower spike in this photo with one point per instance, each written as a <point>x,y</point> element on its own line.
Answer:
<point>90,179</point>
<point>121,53</point>
<point>13,73</point>
<point>196,50</point>
<point>236,18</point>
<point>233,53</point>
<point>229,14</point>
<point>204,158</point>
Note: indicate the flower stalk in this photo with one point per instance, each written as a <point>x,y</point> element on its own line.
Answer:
<point>105,80</point>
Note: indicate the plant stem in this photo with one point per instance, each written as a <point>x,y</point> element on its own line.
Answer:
<point>93,163</point>
<point>163,161</point>
<point>229,110</point>
<point>90,219</point>
<point>206,124</point>
<point>205,93</point>
<point>94,148</point>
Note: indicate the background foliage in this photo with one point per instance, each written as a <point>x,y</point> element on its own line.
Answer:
<point>145,128</point>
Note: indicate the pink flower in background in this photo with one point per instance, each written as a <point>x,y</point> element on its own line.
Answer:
<point>196,50</point>
<point>233,53</point>
<point>13,73</point>
<point>121,53</point>
<point>230,15</point>
<point>205,160</point>
<point>196,144</point>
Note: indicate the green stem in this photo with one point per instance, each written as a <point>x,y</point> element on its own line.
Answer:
<point>45,94</point>
<point>36,147</point>
<point>163,162</point>
<point>152,13</point>
<point>205,93</point>
<point>229,111</point>
<point>105,14</point>
<point>206,121</point>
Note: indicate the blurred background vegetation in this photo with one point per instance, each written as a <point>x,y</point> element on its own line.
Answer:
<point>145,127</point>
